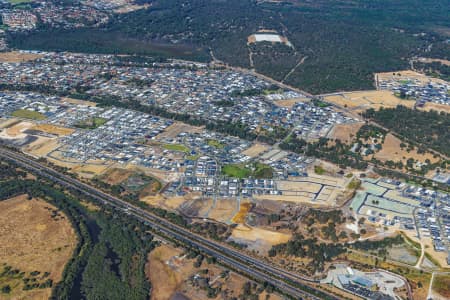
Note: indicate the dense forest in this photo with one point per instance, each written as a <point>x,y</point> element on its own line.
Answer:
<point>344,41</point>
<point>429,129</point>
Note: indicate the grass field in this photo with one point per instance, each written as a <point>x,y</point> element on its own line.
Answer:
<point>236,171</point>
<point>216,143</point>
<point>177,147</point>
<point>91,123</point>
<point>28,114</point>
<point>257,170</point>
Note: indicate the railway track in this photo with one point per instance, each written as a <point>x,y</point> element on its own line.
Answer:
<point>295,285</point>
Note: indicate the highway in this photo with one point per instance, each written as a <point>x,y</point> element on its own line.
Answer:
<point>288,282</point>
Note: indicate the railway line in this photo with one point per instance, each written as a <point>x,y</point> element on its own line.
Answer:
<point>295,285</point>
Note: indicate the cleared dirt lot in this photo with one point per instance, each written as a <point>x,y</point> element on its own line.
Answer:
<point>175,129</point>
<point>52,129</point>
<point>16,57</point>
<point>407,74</point>
<point>391,151</point>
<point>16,130</point>
<point>169,272</point>
<point>79,102</point>
<point>361,101</point>
<point>33,241</point>
<point>436,106</point>
<point>345,132</point>
<point>224,210</point>
<point>166,280</point>
<point>431,60</point>
<point>255,150</point>
<point>298,186</point>
<point>289,102</point>
<point>258,238</point>
<point>115,175</point>
<point>41,147</point>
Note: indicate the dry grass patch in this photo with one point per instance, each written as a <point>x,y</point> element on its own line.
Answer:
<point>52,129</point>
<point>345,132</point>
<point>360,101</point>
<point>17,57</point>
<point>175,129</point>
<point>165,279</point>
<point>16,130</point>
<point>33,240</point>
<point>79,102</point>
<point>239,218</point>
<point>391,151</point>
<point>223,210</point>
<point>258,239</point>
<point>116,176</point>
<point>255,150</point>
<point>436,107</point>
<point>408,74</point>
<point>42,146</point>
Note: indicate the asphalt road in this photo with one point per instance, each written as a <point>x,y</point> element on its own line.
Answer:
<point>288,282</point>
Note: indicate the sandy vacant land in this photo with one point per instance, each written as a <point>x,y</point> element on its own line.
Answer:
<point>345,132</point>
<point>90,170</point>
<point>175,129</point>
<point>42,146</point>
<point>298,186</point>
<point>129,8</point>
<point>391,151</point>
<point>16,57</point>
<point>408,74</point>
<point>5,123</point>
<point>52,129</point>
<point>166,279</point>
<point>255,150</point>
<point>169,272</point>
<point>33,241</point>
<point>436,106</point>
<point>240,216</point>
<point>431,60</point>
<point>79,102</point>
<point>16,130</point>
<point>360,101</point>
<point>224,210</point>
<point>258,238</point>
<point>116,176</point>
<point>289,102</point>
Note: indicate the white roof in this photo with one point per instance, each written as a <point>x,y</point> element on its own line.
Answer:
<point>267,37</point>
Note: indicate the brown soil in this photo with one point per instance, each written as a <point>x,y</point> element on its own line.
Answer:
<point>239,218</point>
<point>391,151</point>
<point>345,132</point>
<point>16,57</point>
<point>116,176</point>
<point>52,129</point>
<point>34,241</point>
